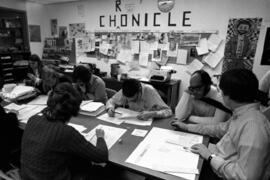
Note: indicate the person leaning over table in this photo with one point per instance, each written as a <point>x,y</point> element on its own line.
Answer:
<point>243,150</point>
<point>90,86</point>
<point>140,97</point>
<point>53,150</point>
<point>201,103</point>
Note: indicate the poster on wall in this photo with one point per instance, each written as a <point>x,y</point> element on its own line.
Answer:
<point>266,49</point>
<point>241,43</point>
<point>34,31</point>
<point>54,27</point>
<point>77,30</point>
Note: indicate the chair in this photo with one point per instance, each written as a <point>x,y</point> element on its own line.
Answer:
<point>110,92</point>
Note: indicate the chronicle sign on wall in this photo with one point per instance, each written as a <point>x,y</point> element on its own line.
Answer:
<point>120,19</point>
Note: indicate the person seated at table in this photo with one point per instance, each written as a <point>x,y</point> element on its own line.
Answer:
<point>201,103</point>
<point>90,86</point>
<point>141,97</point>
<point>265,86</point>
<point>10,139</point>
<point>243,151</point>
<point>34,71</point>
<point>51,149</point>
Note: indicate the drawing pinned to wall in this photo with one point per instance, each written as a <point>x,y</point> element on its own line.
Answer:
<point>63,33</point>
<point>241,43</point>
<point>54,27</point>
<point>80,10</point>
<point>173,43</point>
<point>77,30</point>
<point>266,49</point>
<point>34,31</point>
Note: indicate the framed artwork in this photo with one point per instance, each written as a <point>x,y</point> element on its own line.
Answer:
<point>241,43</point>
<point>266,49</point>
<point>35,35</point>
<point>54,27</point>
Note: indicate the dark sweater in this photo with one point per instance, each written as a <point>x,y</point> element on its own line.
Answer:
<point>49,147</point>
<point>10,139</point>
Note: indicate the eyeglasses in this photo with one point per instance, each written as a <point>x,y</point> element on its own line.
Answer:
<point>195,88</point>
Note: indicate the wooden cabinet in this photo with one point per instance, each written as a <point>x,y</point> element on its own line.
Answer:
<point>14,44</point>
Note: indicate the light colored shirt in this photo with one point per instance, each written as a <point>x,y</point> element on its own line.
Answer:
<point>188,105</point>
<point>244,149</point>
<point>149,100</point>
<point>96,90</point>
<point>265,83</point>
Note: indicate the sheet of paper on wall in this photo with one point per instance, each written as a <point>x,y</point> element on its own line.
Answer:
<point>135,47</point>
<point>172,52</point>
<point>202,47</point>
<point>153,45</point>
<point>164,46</point>
<point>143,59</point>
<point>163,149</point>
<point>182,56</point>
<point>194,66</point>
<point>103,48</point>
<point>112,134</point>
<point>213,42</point>
<point>124,56</point>
<point>213,59</point>
<point>145,47</point>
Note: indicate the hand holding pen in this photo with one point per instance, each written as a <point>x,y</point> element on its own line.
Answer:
<point>111,111</point>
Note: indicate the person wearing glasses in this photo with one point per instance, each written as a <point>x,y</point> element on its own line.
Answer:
<point>201,103</point>
<point>243,150</point>
<point>140,97</point>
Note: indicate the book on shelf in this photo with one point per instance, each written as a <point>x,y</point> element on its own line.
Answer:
<point>91,108</point>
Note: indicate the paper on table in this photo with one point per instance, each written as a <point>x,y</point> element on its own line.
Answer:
<point>114,120</point>
<point>130,117</point>
<point>213,42</point>
<point>202,47</point>
<point>29,111</point>
<point>40,100</point>
<point>194,66</point>
<point>182,56</point>
<point>79,128</point>
<point>154,149</point>
<point>112,134</point>
<point>139,132</point>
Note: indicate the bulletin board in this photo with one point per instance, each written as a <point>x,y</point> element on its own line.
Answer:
<point>161,47</point>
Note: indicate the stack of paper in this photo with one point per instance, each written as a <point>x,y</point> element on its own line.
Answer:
<point>92,108</point>
<point>19,91</point>
<point>25,111</point>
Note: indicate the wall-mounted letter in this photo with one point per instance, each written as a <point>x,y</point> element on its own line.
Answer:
<point>113,20</point>
<point>124,22</point>
<point>117,5</point>
<point>169,20</point>
<point>155,23</point>
<point>100,21</point>
<point>186,18</point>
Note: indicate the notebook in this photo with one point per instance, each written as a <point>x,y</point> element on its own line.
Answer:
<point>91,108</point>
